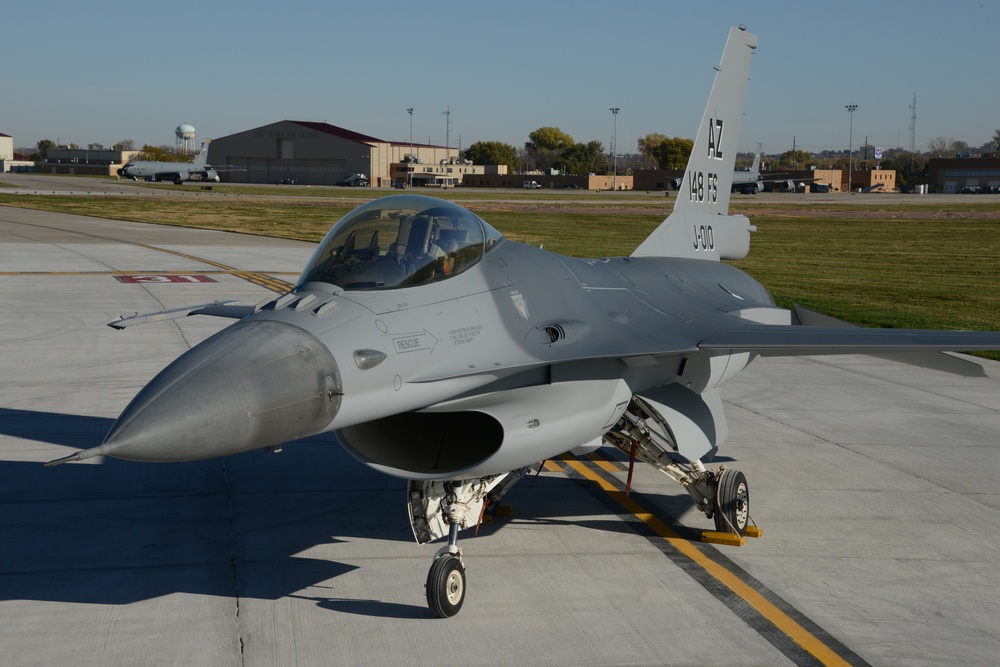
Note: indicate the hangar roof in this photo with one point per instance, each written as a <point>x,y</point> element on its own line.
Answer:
<point>350,135</point>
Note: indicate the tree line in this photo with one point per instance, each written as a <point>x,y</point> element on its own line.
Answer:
<point>551,148</point>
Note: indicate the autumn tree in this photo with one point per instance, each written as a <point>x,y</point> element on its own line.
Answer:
<point>794,160</point>
<point>669,153</point>
<point>160,154</point>
<point>941,147</point>
<point>961,148</point>
<point>493,152</point>
<point>585,158</point>
<point>546,146</point>
<point>44,146</point>
<point>908,167</point>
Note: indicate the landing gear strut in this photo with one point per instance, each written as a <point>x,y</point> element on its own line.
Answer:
<point>443,508</point>
<point>721,493</point>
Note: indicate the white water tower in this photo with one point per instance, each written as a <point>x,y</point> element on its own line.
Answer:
<point>185,138</point>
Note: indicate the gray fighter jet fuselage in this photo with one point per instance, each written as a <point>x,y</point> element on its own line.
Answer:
<point>438,351</point>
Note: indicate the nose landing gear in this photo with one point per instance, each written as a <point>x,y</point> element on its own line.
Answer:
<point>446,579</point>
<point>439,508</point>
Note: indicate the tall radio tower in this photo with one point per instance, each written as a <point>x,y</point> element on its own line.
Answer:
<point>913,125</point>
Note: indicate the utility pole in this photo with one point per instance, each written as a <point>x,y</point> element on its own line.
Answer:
<point>614,150</point>
<point>913,132</point>
<point>851,108</point>
<point>409,165</point>
<point>447,127</point>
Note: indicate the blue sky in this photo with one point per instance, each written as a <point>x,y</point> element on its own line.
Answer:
<point>86,72</point>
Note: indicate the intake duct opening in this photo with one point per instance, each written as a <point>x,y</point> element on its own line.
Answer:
<point>425,443</point>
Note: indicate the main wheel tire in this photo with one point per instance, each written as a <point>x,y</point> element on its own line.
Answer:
<point>732,510</point>
<point>446,586</point>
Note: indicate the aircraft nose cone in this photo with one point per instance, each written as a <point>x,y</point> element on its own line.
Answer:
<point>255,384</point>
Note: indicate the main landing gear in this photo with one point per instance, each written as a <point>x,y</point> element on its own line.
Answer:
<point>731,508</point>
<point>721,493</point>
<point>443,508</point>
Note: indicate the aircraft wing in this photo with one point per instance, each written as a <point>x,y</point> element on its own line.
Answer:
<point>917,347</point>
<point>784,340</point>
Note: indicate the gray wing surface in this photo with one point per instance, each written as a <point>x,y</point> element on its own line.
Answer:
<point>915,347</point>
<point>798,340</point>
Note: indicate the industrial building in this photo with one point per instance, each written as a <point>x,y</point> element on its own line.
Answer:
<point>93,161</point>
<point>313,153</point>
<point>9,161</point>
<point>6,147</point>
<point>955,175</point>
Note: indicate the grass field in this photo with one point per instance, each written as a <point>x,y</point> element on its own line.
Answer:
<point>900,265</point>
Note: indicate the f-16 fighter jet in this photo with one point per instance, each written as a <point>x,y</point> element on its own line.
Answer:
<point>440,352</point>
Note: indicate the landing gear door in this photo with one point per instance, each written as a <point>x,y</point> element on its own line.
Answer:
<point>696,421</point>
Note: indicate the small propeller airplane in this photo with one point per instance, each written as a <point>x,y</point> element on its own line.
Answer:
<point>442,353</point>
<point>199,170</point>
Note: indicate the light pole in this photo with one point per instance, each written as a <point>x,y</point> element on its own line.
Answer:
<point>851,108</point>
<point>447,129</point>
<point>614,150</point>
<point>409,165</point>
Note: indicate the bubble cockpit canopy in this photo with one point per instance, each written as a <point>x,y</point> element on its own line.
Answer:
<point>400,241</point>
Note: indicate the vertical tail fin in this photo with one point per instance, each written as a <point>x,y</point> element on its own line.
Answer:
<point>202,157</point>
<point>700,225</point>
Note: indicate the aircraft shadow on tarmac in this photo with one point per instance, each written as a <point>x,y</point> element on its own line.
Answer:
<point>116,532</point>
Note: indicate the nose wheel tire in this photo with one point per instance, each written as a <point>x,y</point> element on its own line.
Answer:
<point>446,586</point>
<point>732,503</point>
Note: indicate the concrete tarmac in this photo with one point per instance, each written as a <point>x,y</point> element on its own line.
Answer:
<point>874,483</point>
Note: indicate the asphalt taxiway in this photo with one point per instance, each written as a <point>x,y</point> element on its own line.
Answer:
<point>874,483</point>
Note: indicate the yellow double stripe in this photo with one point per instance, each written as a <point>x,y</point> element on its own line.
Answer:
<point>762,605</point>
<point>262,279</point>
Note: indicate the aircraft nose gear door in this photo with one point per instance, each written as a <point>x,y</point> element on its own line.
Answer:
<point>443,508</point>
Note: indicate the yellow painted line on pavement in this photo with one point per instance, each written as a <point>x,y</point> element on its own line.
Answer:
<point>603,463</point>
<point>180,254</point>
<point>552,466</point>
<point>213,272</point>
<point>762,605</point>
